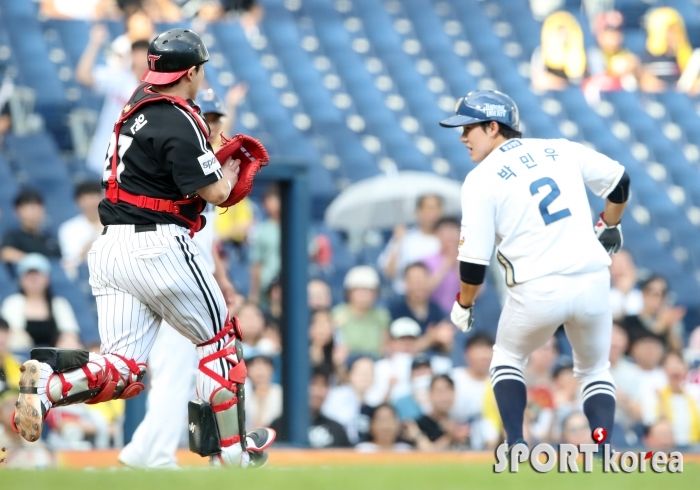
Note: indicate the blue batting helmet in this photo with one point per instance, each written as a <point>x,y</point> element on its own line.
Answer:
<point>484,105</point>
<point>209,103</point>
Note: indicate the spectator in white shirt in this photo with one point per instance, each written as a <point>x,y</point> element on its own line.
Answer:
<point>647,352</point>
<point>264,401</point>
<point>112,81</point>
<point>472,384</point>
<point>384,432</point>
<point>346,403</point>
<point>409,246</point>
<point>36,317</point>
<point>392,374</point>
<point>77,235</point>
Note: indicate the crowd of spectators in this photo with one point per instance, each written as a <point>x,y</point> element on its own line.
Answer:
<point>383,369</point>
<point>667,62</point>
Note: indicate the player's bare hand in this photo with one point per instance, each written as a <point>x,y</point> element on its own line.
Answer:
<point>231,169</point>
<point>99,34</point>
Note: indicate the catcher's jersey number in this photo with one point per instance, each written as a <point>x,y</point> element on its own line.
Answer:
<point>554,192</point>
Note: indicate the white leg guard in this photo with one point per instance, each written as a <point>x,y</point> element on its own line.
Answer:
<point>217,419</point>
<point>83,378</point>
<point>71,376</point>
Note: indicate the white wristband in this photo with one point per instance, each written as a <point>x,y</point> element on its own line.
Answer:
<point>230,187</point>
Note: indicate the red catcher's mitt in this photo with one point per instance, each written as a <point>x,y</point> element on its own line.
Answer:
<point>253,157</point>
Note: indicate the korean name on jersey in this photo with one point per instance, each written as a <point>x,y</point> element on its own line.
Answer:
<point>528,197</point>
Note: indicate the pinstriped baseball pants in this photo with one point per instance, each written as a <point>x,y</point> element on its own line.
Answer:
<point>142,278</point>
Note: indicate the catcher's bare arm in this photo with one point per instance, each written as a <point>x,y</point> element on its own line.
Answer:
<point>219,191</point>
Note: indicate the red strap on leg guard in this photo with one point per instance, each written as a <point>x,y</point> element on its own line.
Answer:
<point>230,441</point>
<point>232,325</point>
<point>236,374</point>
<point>113,377</point>
<point>65,385</point>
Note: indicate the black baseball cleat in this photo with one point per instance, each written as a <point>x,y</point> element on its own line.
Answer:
<point>257,460</point>
<point>257,440</point>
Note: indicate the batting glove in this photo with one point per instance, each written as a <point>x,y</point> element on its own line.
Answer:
<point>609,236</point>
<point>461,316</point>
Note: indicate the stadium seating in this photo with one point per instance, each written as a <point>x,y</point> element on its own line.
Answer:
<point>356,87</point>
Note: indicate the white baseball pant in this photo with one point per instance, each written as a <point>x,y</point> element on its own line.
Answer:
<point>535,309</point>
<point>142,278</point>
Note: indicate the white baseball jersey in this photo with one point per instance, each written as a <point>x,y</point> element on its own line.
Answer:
<point>528,198</point>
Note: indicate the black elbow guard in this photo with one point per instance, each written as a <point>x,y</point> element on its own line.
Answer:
<point>472,273</point>
<point>621,192</point>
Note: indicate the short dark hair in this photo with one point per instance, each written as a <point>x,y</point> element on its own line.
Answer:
<point>419,265</point>
<point>673,353</point>
<point>140,44</point>
<point>654,278</point>
<point>479,338</point>
<point>272,190</point>
<point>560,368</point>
<point>421,199</point>
<point>505,131</point>
<point>88,187</point>
<point>321,372</point>
<point>448,221</point>
<point>443,377</point>
<point>320,311</point>
<point>261,358</point>
<point>353,360</point>
<point>3,324</point>
<point>383,405</point>
<point>28,196</point>
<point>172,84</point>
<point>646,336</point>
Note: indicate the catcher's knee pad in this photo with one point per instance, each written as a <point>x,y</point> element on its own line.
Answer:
<point>219,422</point>
<point>76,379</point>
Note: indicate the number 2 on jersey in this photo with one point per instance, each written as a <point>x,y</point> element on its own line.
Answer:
<point>548,199</point>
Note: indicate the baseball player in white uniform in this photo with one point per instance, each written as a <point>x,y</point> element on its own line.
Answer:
<point>160,173</point>
<point>528,198</point>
